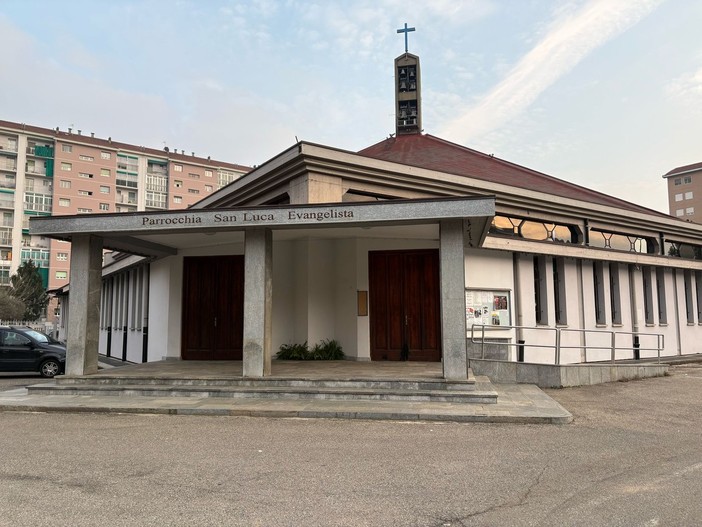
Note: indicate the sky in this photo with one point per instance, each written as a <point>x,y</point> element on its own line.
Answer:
<point>602,93</point>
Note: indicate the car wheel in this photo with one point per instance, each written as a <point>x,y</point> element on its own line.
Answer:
<point>49,368</point>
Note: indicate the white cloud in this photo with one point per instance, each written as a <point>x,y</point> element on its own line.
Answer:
<point>569,39</point>
<point>687,89</point>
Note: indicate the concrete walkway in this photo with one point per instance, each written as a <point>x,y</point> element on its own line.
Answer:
<point>516,403</point>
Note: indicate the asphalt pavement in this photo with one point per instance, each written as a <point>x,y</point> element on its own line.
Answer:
<point>632,456</point>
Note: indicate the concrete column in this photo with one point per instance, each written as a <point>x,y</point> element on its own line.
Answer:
<point>84,305</point>
<point>453,303</point>
<point>258,302</point>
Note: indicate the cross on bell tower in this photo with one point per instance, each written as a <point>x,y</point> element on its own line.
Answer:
<point>408,114</point>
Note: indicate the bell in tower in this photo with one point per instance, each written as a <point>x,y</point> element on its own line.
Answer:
<point>408,114</point>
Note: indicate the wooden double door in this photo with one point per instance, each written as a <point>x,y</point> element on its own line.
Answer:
<point>404,300</point>
<point>213,308</point>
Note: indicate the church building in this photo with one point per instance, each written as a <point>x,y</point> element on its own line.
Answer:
<point>413,248</point>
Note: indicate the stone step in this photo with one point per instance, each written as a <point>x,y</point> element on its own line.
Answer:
<point>439,385</point>
<point>395,393</point>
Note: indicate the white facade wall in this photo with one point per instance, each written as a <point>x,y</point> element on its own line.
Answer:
<point>316,282</point>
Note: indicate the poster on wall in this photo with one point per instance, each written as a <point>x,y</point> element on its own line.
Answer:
<point>487,308</point>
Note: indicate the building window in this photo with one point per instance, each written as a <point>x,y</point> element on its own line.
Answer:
<point>177,183</point>
<point>64,202</point>
<point>177,199</point>
<point>559,290</point>
<point>679,196</point>
<point>689,302</point>
<point>688,195</point>
<point>194,175</point>
<point>104,206</point>
<point>105,155</point>
<point>193,191</point>
<point>648,295</point>
<point>61,275</point>
<point>598,281</point>
<point>84,211</point>
<point>65,183</point>
<point>660,292</point>
<point>687,179</point>
<point>677,181</point>
<point>62,257</point>
<point>67,148</point>
<point>690,211</point>
<point>85,175</point>
<point>540,290</point>
<point>177,168</point>
<point>105,172</point>
<point>680,212</point>
<point>104,189</point>
<point>66,166</point>
<point>208,173</point>
<point>86,158</point>
<point>85,193</point>
<point>615,298</point>
<point>208,188</point>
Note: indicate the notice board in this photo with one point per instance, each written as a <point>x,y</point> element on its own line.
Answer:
<point>487,307</point>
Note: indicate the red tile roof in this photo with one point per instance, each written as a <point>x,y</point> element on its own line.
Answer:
<point>433,153</point>
<point>682,169</point>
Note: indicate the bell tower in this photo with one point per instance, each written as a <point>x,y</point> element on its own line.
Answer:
<point>408,101</point>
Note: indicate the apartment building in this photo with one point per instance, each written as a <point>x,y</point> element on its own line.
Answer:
<point>685,192</point>
<point>46,172</point>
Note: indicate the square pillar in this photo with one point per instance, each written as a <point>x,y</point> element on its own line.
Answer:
<point>84,305</point>
<point>453,303</point>
<point>258,302</point>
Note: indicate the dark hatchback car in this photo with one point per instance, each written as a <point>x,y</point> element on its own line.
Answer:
<point>25,349</point>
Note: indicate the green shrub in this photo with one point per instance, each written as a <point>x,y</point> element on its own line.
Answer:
<point>293,352</point>
<point>328,349</point>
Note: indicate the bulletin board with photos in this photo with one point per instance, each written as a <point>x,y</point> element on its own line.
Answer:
<point>488,307</point>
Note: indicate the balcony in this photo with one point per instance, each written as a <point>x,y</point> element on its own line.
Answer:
<point>156,170</point>
<point>7,204</point>
<point>7,146</point>
<point>8,164</point>
<point>40,150</point>
<point>8,182</point>
<point>35,170</point>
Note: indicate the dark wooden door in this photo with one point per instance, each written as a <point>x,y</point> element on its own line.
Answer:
<point>213,308</point>
<point>404,304</point>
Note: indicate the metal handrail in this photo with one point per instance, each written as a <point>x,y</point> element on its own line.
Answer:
<point>557,346</point>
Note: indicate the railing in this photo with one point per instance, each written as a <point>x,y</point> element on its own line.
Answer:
<point>7,165</point>
<point>7,204</point>
<point>8,183</point>
<point>6,146</point>
<point>634,345</point>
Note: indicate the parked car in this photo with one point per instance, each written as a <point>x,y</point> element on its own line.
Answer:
<point>25,349</point>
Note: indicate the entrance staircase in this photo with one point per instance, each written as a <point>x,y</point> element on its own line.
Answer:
<point>359,389</point>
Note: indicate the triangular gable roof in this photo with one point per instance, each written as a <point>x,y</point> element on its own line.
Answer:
<point>433,153</point>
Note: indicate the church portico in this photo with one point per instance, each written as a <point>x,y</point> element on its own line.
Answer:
<point>305,268</point>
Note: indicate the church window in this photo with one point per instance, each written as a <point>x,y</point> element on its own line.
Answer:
<point>648,295</point>
<point>689,302</point>
<point>540,292</point>
<point>615,298</point>
<point>598,282</point>
<point>559,291</point>
<point>660,294</point>
<point>534,230</point>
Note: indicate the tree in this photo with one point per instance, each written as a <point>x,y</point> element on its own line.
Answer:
<point>27,287</point>
<point>10,307</point>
